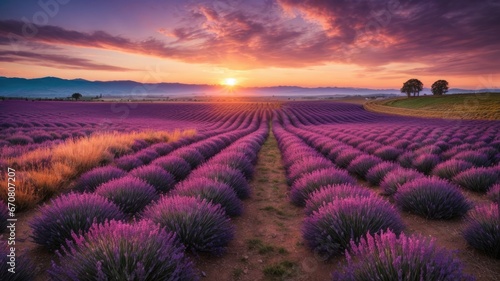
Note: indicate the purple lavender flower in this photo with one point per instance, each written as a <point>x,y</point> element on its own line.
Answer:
<point>330,230</point>
<point>129,193</point>
<point>477,179</point>
<point>128,162</point>
<point>345,157</point>
<point>307,165</point>
<point>225,174</point>
<point>329,193</point>
<point>121,251</point>
<point>191,155</point>
<point>478,159</point>
<point>24,268</point>
<point>494,193</point>
<point>361,164</point>
<point>388,256</point>
<point>483,229</point>
<point>378,172</point>
<point>147,155</point>
<point>235,161</point>
<point>90,180</point>
<point>425,162</point>
<point>304,186</point>
<point>200,225</point>
<point>154,175</point>
<point>71,213</point>
<point>175,165</point>
<point>395,178</point>
<point>432,198</point>
<point>450,168</point>
<point>212,191</point>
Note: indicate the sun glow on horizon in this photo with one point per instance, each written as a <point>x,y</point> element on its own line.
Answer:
<point>229,82</point>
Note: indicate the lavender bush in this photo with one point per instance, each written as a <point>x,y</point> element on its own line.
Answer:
<point>450,168</point>
<point>432,198</point>
<point>345,157</point>
<point>212,191</point>
<point>175,165</point>
<point>494,193</point>
<point>191,155</point>
<point>375,175</point>
<point>386,256</point>
<point>129,193</point>
<point>235,161</point>
<point>154,175</point>
<point>330,230</point>
<point>329,193</point>
<point>478,159</point>
<point>483,229</point>
<point>425,162</point>
<point>200,225</point>
<point>361,164</point>
<point>395,178</point>
<point>70,213</point>
<point>477,179</point>
<point>225,174</point>
<point>307,165</point>
<point>24,269</point>
<point>128,162</point>
<point>120,251</point>
<point>90,180</point>
<point>147,155</point>
<point>311,182</point>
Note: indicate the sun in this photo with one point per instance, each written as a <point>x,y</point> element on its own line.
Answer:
<point>230,82</point>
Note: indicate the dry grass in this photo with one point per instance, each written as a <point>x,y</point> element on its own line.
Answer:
<point>47,171</point>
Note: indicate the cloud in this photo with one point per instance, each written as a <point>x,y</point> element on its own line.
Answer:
<point>456,37</point>
<point>58,61</point>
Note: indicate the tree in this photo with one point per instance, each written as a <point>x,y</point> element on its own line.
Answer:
<point>412,86</point>
<point>76,96</point>
<point>439,87</point>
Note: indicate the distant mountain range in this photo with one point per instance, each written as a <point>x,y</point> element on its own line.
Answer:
<point>52,87</point>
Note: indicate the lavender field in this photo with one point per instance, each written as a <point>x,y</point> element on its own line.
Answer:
<point>246,191</point>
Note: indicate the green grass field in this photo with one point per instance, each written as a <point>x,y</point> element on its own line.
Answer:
<point>456,106</point>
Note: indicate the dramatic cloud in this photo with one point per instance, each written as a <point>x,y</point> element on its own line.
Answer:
<point>58,61</point>
<point>455,37</point>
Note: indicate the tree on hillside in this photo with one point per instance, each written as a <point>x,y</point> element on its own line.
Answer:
<point>76,96</point>
<point>412,86</point>
<point>439,87</point>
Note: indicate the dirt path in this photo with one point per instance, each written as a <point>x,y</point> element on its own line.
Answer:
<point>268,243</point>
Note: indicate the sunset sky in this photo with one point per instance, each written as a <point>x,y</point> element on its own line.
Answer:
<point>357,43</point>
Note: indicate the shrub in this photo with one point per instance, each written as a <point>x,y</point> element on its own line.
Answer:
<point>138,145</point>
<point>307,165</point>
<point>162,148</point>
<point>483,229</point>
<point>154,175</point>
<point>41,136</point>
<point>4,215</point>
<point>478,159</point>
<point>330,230</point>
<point>20,140</point>
<point>175,165</point>
<point>120,251</point>
<point>147,155</point>
<point>191,155</point>
<point>450,168</point>
<point>432,198</point>
<point>345,157</point>
<point>361,164</point>
<point>426,162</point>
<point>386,256</point>
<point>25,270</point>
<point>494,193</point>
<point>214,192</point>
<point>128,162</point>
<point>311,182</point>
<point>225,174</point>
<point>200,225</point>
<point>235,161</point>
<point>406,159</point>
<point>90,180</point>
<point>388,153</point>
<point>71,213</point>
<point>378,172</point>
<point>129,193</point>
<point>329,193</point>
<point>394,179</point>
<point>477,179</point>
